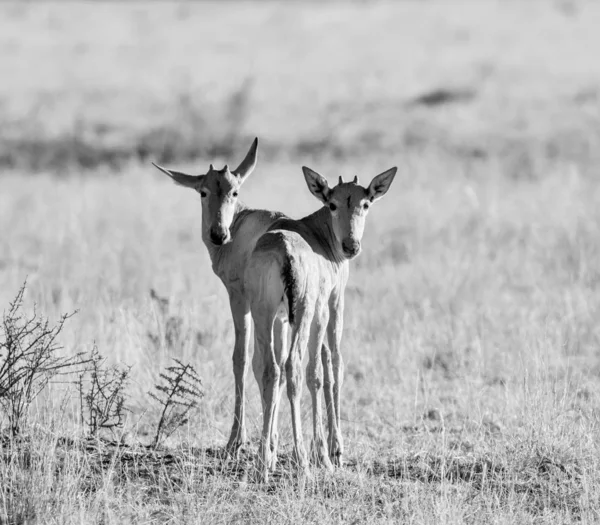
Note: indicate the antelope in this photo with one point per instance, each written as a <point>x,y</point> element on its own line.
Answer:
<point>298,271</point>
<point>230,231</point>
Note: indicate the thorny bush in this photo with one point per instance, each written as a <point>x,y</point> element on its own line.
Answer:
<point>29,359</point>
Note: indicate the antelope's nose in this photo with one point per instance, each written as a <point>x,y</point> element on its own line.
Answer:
<point>351,247</point>
<point>218,236</point>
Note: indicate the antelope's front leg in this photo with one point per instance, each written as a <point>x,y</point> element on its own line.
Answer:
<point>334,335</point>
<point>328,391</point>
<point>242,324</point>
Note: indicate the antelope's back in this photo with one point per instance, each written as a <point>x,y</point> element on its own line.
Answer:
<point>248,228</point>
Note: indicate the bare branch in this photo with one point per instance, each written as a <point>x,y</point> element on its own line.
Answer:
<point>28,359</point>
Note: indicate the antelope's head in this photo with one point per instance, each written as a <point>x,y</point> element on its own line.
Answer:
<point>218,191</point>
<point>348,204</point>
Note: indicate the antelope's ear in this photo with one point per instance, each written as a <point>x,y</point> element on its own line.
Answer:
<point>381,184</point>
<point>189,181</point>
<point>317,184</point>
<point>249,163</point>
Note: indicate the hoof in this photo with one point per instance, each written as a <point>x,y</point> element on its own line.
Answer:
<point>263,475</point>
<point>233,448</point>
<point>300,462</point>
<point>265,463</point>
<point>273,448</point>
<point>319,456</point>
<point>272,462</point>
<point>305,473</point>
<point>336,451</point>
<point>338,460</point>
<point>336,448</point>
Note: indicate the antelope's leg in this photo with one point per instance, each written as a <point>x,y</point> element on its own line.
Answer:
<point>268,384</point>
<point>282,349</point>
<point>334,335</point>
<point>240,310</point>
<point>328,391</point>
<point>258,367</point>
<point>293,369</point>
<point>314,381</point>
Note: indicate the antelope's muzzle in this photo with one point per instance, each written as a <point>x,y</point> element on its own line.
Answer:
<point>219,236</point>
<point>350,247</point>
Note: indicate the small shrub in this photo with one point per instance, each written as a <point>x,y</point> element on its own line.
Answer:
<point>180,394</point>
<point>29,360</point>
<point>101,394</point>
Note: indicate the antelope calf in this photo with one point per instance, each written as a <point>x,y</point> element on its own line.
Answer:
<point>230,231</point>
<point>298,271</point>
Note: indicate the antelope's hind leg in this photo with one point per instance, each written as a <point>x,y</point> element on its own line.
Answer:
<point>293,369</point>
<point>268,385</point>
<point>315,383</point>
<point>282,350</point>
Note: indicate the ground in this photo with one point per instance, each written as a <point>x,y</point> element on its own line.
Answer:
<point>471,339</point>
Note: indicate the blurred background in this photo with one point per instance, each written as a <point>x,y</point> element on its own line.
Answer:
<point>480,268</point>
<point>87,85</point>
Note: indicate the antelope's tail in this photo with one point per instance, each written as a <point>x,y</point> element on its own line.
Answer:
<point>272,279</point>
<point>290,287</point>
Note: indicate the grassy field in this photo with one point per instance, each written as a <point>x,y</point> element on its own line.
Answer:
<point>471,339</point>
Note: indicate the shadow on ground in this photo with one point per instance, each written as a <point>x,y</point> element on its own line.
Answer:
<point>537,478</point>
<point>537,481</point>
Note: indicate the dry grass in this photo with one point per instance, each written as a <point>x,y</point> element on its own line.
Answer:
<point>471,339</point>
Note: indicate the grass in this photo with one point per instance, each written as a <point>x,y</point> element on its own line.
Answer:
<point>471,334</point>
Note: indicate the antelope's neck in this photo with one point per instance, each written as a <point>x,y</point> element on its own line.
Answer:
<point>320,224</point>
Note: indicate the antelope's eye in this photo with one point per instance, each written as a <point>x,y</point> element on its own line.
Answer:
<point>332,206</point>
<point>366,205</point>
<point>235,194</point>
<point>202,194</point>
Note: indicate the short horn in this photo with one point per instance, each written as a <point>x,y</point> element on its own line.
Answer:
<point>226,168</point>
<point>355,179</point>
<point>341,181</point>
<point>211,168</point>
<point>249,163</point>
